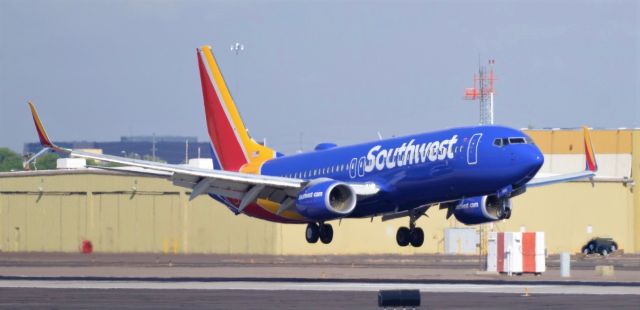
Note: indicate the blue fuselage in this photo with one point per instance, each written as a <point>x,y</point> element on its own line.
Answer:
<point>422,169</point>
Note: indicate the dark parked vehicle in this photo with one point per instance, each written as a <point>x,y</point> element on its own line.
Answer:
<point>603,246</point>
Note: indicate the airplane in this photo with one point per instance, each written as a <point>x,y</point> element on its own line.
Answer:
<point>472,172</point>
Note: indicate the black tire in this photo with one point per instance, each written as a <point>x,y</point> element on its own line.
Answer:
<point>507,213</point>
<point>417,237</point>
<point>585,250</point>
<point>312,233</point>
<point>614,247</point>
<point>326,233</point>
<point>604,252</point>
<point>402,236</point>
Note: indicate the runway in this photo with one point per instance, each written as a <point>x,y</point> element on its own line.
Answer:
<point>328,286</point>
<point>133,281</point>
<point>164,293</point>
<point>29,298</point>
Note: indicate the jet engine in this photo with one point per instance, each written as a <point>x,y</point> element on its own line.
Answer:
<point>326,199</point>
<point>482,209</point>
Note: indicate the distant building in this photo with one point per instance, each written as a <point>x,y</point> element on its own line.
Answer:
<point>167,148</point>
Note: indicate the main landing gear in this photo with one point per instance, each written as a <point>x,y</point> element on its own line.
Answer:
<point>411,235</point>
<point>321,231</point>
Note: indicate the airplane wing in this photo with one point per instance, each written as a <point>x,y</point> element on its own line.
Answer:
<point>244,187</point>
<point>589,172</point>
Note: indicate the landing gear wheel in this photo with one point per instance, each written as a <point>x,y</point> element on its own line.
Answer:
<point>417,237</point>
<point>312,233</point>
<point>507,213</point>
<point>326,233</point>
<point>403,236</point>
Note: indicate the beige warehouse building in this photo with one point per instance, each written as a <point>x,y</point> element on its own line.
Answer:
<point>56,210</point>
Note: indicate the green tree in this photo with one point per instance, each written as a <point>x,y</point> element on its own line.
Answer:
<point>47,161</point>
<point>9,160</point>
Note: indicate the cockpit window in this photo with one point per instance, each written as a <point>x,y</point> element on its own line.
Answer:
<point>529,140</point>
<point>497,142</point>
<point>517,140</point>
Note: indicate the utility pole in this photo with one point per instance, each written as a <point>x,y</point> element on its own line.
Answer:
<point>186,151</point>
<point>153,147</point>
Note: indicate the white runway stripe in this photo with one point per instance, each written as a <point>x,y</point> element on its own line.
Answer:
<point>325,286</point>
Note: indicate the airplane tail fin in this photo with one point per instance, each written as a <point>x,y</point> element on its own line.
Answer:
<point>591,163</point>
<point>44,138</point>
<point>42,134</point>
<point>233,148</point>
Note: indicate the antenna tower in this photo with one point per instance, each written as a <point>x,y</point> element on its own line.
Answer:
<point>482,91</point>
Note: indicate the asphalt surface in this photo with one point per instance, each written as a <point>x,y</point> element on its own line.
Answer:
<point>251,299</point>
<point>151,281</point>
<point>370,267</point>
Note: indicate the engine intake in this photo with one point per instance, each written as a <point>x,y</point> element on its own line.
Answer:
<point>482,209</point>
<point>325,200</point>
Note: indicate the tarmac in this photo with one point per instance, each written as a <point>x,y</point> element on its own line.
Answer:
<point>146,281</point>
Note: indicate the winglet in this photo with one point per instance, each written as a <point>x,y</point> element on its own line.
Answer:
<point>42,134</point>
<point>591,164</point>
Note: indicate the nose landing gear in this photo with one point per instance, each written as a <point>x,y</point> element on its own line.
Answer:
<point>321,231</point>
<point>411,235</point>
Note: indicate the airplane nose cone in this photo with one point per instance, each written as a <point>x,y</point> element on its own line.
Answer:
<point>534,159</point>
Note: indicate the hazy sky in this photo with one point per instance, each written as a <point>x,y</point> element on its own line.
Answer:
<point>335,71</point>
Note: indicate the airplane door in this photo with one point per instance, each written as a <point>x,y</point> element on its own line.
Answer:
<point>361,162</point>
<point>353,168</point>
<point>472,150</point>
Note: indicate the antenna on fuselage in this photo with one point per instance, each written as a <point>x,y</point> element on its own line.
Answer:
<point>379,136</point>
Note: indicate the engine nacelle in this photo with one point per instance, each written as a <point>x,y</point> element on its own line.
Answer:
<point>326,200</point>
<point>482,209</point>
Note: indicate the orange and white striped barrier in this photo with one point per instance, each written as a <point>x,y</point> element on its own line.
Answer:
<point>516,252</point>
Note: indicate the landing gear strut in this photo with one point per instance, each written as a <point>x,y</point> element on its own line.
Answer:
<point>321,231</point>
<point>411,235</point>
<point>504,212</point>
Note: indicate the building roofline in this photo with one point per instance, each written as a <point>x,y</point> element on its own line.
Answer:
<point>93,171</point>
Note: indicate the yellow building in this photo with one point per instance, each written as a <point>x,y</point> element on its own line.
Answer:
<point>56,210</point>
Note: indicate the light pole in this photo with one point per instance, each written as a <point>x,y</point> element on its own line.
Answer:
<point>237,47</point>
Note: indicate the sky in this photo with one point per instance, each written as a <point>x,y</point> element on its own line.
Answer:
<point>314,71</point>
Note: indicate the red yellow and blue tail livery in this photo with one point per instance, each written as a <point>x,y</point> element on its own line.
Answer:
<point>472,172</point>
